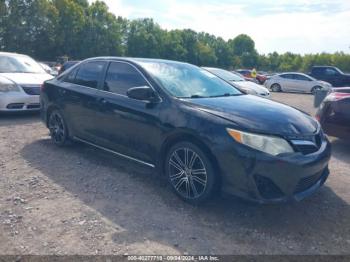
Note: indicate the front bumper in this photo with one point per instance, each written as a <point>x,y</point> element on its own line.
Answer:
<point>18,101</point>
<point>263,178</point>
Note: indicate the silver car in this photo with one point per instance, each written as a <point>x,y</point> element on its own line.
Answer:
<point>295,82</point>
<point>239,82</point>
<point>20,81</point>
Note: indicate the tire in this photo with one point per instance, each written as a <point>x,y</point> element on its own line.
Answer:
<point>314,89</point>
<point>192,178</point>
<point>276,88</point>
<point>58,128</point>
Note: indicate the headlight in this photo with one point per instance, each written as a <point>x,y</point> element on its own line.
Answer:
<point>268,144</point>
<point>7,85</point>
<point>250,91</point>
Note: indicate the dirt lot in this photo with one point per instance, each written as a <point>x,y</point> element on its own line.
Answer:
<point>78,200</point>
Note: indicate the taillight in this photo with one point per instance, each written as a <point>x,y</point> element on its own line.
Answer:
<point>335,96</point>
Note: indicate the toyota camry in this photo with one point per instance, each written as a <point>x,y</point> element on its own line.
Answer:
<point>195,129</point>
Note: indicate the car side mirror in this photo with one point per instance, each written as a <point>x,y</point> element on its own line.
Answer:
<point>143,93</point>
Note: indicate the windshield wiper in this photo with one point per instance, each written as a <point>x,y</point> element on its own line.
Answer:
<point>226,95</point>
<point>198,96</point>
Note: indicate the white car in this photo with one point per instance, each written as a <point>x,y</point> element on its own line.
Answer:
<point>239,82</point>
<point>295,82</point>
<point>20,81</point>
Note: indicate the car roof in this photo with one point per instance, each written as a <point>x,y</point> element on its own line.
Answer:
<point>213,68</point>
<point>134,59</point>
<point>11,54</point>
<point>323,66</point>
<point>293,73</point>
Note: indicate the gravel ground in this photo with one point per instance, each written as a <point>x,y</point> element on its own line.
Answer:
<point>78,200</point>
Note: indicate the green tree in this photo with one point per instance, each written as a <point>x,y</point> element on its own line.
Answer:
<point>205,55</point>
<point>71,20</point>
<point>144,39</point>
<point>102,32</point>
<point>243,47</point>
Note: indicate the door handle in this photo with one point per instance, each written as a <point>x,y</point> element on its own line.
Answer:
<point>103,101</point>
<point>63,91</point>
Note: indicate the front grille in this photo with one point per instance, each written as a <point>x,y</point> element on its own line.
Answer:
<point>308,144</point>
<point>32,90</point>
<point>307,182</point>
<point>33,106</point>
<point>15,106</point>
<point>267,188</point>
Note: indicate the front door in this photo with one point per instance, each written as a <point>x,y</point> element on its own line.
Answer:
<point>128,126</point>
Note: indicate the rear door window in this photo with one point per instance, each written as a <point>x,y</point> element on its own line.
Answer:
<point>288,76</point>
<point>89,74</point>
<point>70,77</point>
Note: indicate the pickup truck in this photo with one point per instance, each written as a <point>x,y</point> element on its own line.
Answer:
<point>331,74</point>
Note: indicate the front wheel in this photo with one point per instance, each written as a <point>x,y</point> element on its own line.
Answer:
<point>190,173</point>
<point>58,128</point>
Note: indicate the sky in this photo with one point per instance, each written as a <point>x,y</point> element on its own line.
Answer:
<point>298,26</point>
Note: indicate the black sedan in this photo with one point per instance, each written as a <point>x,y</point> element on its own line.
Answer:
<point>334,113</point>
<point>200,132</point>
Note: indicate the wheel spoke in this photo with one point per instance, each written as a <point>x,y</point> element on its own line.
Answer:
<point>180,182</point>
<point>186,157</point>
<point>177,176</point>
<point>188,189</point>
<point>199,180</point>
<point>194,189</point>
<point>201,171</point>
<point>174,164</point>
<point>178,159</point>
<point>193,159</point>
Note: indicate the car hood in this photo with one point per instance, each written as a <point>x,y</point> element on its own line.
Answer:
<point>251,85</point>
<point>27,78</point>
<point>257,114</point>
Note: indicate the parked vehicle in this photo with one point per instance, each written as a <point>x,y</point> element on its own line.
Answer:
<point>193,127</point>
<point>334,113</point>
<point>67,65</point>
<point>332,75</point>
<point>260,78</point>
<point>239,82</point>
<point>20,81</point>
<point>295,82</point>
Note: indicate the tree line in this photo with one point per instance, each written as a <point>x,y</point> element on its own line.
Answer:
<point>48,29</point>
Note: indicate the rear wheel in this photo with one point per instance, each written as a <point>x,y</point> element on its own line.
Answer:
<point>276,88</point>
<point>58,128</point>
<point>190,173</point>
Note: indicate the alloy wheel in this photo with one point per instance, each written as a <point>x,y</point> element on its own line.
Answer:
<point>57,128</point>
<point>276,88</point>
<point>187,173</point>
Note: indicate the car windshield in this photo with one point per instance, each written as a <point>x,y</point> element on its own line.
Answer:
<point>19,64</point>
<point>226,75</point>
<point>187,81</point>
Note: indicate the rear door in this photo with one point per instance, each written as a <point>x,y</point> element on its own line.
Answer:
<point>80,101</point>
<point>302,83</point>
<point>127,126</point>
<point>288,82</point>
